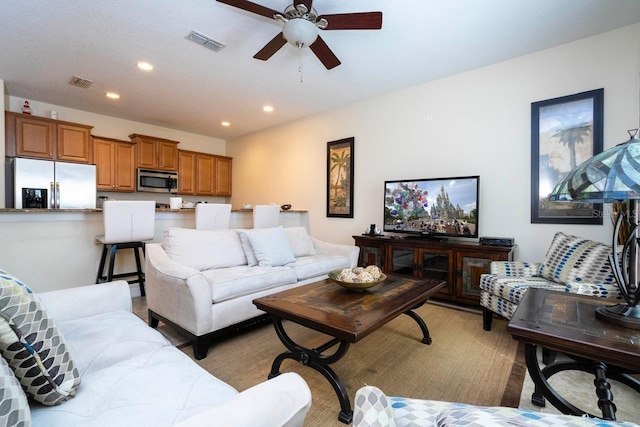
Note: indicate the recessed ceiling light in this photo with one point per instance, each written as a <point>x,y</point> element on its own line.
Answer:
<point>112,95</point>
<point>267,108</point>
<point>225,124</point>
<point>145,66</point>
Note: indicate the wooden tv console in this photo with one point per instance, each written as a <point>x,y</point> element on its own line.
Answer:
<point>460,264</point>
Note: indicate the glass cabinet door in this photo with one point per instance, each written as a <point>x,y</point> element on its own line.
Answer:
<point>435,265</point>
<point>402,261</point>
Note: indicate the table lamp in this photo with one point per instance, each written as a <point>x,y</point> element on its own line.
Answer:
<point>609,177</point>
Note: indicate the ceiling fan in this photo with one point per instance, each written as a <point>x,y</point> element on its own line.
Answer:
<point>301,23</point>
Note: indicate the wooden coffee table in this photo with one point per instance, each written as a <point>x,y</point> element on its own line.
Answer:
<point>566,323</point>
<point>347,316</point>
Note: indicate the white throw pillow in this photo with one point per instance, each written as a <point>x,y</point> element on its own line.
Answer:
<point>246,247</point>
<point>270,246</point>
<point>204,249</point>
<point>300,241</point>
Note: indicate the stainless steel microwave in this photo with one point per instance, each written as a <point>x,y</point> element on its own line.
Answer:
<point>157,181</point>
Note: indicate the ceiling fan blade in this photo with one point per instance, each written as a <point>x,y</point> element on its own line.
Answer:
<point>353,21</point>
<point>324,54</point>
<point>270,48</point>
<point>307,3</point>
<point>251,7</point>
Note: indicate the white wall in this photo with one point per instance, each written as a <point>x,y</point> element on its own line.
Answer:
<point>480,124</point>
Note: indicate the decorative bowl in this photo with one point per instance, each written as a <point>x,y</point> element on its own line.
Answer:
<point>353,285</point>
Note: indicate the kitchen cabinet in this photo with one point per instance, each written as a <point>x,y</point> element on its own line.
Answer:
<point>223,176</point>
<point>460,264</point>
<point>204,174</point>
<point>42,138</point>
<point>115,164</point>
<point>155,153</point>
<point>186,172</point>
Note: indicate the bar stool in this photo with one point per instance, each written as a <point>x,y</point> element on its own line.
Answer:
<point>212,216</point>
<point>266,216</point>
<point>127,225</point>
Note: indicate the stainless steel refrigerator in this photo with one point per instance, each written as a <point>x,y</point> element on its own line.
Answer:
<point>51,185</point>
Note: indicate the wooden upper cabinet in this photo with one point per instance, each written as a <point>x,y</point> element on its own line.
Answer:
<point>186,172</point>
<point>155,153</point>
<point>42,138</point>
<point>223,176</point>
<point>115,164</point>
<point>204,174</point>
<point>73,143</point>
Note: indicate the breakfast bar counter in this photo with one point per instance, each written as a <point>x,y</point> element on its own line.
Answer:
<point>52,249</point>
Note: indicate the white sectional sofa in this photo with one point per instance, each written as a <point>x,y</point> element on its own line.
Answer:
<point>91,362</point>
<point>203,282</point>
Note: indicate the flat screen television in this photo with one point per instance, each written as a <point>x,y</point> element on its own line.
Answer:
<point>432,207</point>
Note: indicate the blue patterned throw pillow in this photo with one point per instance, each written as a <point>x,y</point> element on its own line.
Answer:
<point>574,259</point>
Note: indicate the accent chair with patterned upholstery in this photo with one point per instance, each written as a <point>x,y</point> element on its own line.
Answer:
<point>572,264</point>
<point>373,409</point>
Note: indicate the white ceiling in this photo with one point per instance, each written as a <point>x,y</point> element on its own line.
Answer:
<point>44,43</point>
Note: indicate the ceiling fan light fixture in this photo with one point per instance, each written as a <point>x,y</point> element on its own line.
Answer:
<point>300,32</point>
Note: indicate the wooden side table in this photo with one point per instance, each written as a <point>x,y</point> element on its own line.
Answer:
<point>566,323</point>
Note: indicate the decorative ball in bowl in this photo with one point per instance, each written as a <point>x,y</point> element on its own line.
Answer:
<point>358,278</point>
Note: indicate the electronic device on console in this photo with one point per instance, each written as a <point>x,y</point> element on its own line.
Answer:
<point>497,241</point>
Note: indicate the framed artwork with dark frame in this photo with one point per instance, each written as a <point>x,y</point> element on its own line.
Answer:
<point>565,132</point>
<point>340,178</point>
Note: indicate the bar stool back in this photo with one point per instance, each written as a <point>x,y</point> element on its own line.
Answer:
<point>127,225</point>
<point>266,216</point>
<point>212,216</point>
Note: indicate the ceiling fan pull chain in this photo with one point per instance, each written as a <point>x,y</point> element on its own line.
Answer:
<point>300,61</point>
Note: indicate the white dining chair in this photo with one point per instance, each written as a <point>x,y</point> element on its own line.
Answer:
<point>212,216</point>
<point>128,224</point>
<point>266,216</point>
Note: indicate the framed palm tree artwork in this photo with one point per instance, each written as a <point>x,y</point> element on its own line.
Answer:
<point>340,178</point>
<point>565,132</point>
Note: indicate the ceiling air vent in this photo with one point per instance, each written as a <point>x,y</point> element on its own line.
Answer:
<point>80,82</point>
<point>205,41</point>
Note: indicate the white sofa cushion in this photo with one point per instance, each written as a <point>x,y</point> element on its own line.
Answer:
<point>300,241</point>
<point>134,393</point>
<point>233,282</point>
<point>105,339</point>
<point>270,246</point>
<point>204,249</point>
<point>317,265</point>
<point>246,247</point>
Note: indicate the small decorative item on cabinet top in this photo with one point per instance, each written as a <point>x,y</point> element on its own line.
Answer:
<point>26,109</point>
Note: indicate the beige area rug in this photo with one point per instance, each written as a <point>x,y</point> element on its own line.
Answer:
<point>578,388</point>
<point>463,364</point>
<point>139,307</point>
